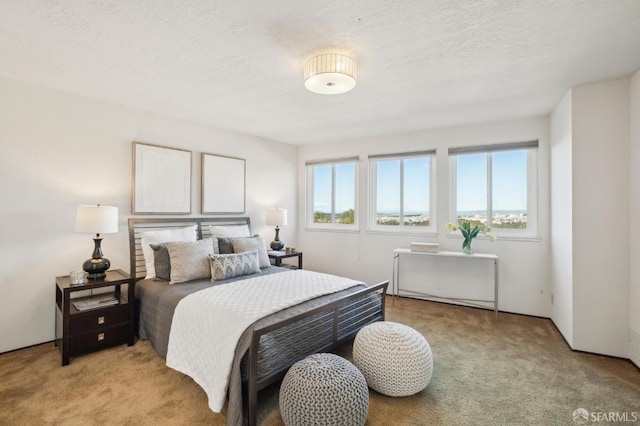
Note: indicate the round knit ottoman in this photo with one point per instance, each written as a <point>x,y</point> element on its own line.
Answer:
<point>394,358</point>
<point>324,389</point>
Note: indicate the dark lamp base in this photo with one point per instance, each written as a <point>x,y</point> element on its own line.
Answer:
<point>277,245</point>
<point>96,268</point>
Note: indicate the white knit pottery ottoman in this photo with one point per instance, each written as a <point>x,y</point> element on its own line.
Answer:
<point>324,389</point>
<point>394,358</point>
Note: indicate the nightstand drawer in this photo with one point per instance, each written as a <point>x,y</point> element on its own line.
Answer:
<point>99,318</point>
<point>98,339</point>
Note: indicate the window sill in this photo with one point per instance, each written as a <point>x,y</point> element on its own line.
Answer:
<point>503,238</point>
<point>342,231</point>
<point>421,233</point>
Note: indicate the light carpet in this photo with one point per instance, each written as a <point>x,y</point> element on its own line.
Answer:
<point>513,371</point>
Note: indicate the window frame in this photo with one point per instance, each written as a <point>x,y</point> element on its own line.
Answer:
<point>372,225</point>
<point>531,148</point>
<point>309,214</point>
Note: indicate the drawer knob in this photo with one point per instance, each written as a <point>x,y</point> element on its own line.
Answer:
<point>100,337</point>
<point>100,320</point>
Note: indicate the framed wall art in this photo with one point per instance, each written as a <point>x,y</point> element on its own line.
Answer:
<point>223,184</point>
<point>161,180</point>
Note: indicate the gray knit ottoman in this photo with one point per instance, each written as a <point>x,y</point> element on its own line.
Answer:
<point>395,359</point>
<point>324,389</point>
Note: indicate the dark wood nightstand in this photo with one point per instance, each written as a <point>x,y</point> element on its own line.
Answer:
<point>277,257</point>
<point>84,331</point>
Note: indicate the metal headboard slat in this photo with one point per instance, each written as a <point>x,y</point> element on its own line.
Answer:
<point>139,225</point>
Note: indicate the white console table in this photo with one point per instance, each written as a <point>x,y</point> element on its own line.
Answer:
<point>398,253</point>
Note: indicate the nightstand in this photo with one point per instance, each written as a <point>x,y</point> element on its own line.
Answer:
<point>277,257</point>
<point>80,331</point>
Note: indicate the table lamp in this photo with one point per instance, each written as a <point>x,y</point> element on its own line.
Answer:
<point>277,217</point>
<point>97,220</point>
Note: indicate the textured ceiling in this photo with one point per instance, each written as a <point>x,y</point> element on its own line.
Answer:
<point>238,64</point>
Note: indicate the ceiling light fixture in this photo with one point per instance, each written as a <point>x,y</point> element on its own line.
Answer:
<point>330,74</point>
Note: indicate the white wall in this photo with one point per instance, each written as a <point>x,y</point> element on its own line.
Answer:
<point>600,191</point>
<point>58,151</point>
<point>561,258</point>
<point>524,283</point>
<point>634,214</point>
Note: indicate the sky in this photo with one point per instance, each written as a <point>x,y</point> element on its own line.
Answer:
<point>345,187</point>
<point>509,184</point>
<point>509,181</point>
<point>416,185</point>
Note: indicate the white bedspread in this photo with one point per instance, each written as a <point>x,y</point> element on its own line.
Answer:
<point>207,324</point>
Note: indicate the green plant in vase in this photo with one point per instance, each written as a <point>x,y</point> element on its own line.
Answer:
<point>469,233</point>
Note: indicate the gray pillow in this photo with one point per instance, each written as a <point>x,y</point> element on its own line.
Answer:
<point>224,245</point>
<point>226,233</point>
<point>252,243</point>
<point>231,265</point>
<point>156,237</point>
<point>189,260</point>
<point>161,261</point>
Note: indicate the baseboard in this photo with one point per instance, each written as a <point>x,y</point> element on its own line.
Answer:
<point>632,362</point>
<point>27,347</point>
<point>462,305</point>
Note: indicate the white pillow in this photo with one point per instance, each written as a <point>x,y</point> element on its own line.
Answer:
<point>256,243</point>
<point>232,231</point>
<point>156,237</point>
<point>189,260</point>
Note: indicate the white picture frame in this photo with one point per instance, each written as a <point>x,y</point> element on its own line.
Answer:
<point>161,180</point>
<point>223,184</point>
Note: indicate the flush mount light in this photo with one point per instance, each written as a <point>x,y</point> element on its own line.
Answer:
<point>330,74</point>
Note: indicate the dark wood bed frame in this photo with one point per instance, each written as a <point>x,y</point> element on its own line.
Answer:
<point>337,311</point>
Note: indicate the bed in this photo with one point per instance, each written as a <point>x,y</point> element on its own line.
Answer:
<point>270,344</point>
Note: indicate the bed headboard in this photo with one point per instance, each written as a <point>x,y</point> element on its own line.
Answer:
<point>139,225</point>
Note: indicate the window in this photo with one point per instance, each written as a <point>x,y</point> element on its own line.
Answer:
<point>496,186</point>
<point>332,194</point>
<point>402,192</point>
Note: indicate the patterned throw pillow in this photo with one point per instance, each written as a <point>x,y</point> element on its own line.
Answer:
<point>225,266</point>
<point>189,260</point>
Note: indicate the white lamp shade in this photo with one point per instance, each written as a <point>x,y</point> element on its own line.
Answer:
<point>277,217</point>
<point>97,219</point>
